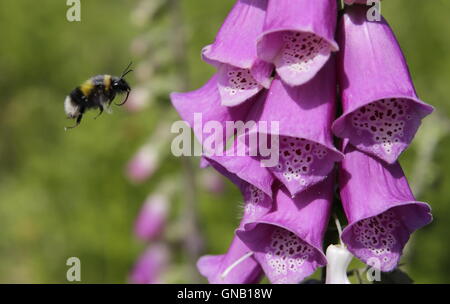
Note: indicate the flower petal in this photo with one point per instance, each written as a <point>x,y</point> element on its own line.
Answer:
<point>298,37</point>
<point>382,213</point>
<point>305,114</point>
<point>245,271</point>
<point>238,265</point>
<point>152,217</point>
<point>241,73</point>
<point>243,170</point>
<point>151,265</point>
<point>206,101</point>
<point>235,44</point>
<point>287,242</point>
<point>381,110</point>
<point>236,85</point>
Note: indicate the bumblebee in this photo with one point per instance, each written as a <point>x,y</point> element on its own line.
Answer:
<point>97,92</point>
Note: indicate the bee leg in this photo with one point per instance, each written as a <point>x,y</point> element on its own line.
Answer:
<point>99,113</point>
<point>79,117</point>
<point>126,98</point>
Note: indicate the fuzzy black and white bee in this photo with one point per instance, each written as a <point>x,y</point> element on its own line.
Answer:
<point>97,92</point>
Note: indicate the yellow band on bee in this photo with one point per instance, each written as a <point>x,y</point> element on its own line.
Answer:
<point>107,82</point>
<point>87,87</point>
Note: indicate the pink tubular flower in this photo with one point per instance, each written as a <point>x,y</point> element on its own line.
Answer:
<point>238,265</point>
<point>381,109</point>
<point>207,102</point>
<point>305,114</point>
<point>287,242</point>
<point>212,181</point>
<point>152,217</point>
<point>381,210</point>
<point>150,266</point>
<point>298,37</point>
<point>143,164</point>
<point>138,100</point>
<point>241,74</point>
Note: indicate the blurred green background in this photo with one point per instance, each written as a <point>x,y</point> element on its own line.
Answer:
<point>65,194</point>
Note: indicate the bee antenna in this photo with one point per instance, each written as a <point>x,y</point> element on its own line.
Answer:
<point>127,70</point>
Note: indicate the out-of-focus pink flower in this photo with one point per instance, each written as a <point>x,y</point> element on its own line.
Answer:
<point>212,181</point>
<point>152,217</point>
<point>143,164</point>
<point>150,266</point>
<point>138,100</point>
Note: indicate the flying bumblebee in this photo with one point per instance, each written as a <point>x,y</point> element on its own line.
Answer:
<point>97,92</point>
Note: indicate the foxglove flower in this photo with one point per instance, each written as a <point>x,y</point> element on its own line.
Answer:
<point>143,164</point>
<point>380,208</point>
<point>151,266</point>
<point>305,114</point>
<point>152,217</point>
<point>298,37</point>
<point>241,74</point>
<point>381,109</point>
<point>138,100</point>
<point>238,265</point>
<point>212,181</point>
<point>207,102</point>
<point>338,258</point>
<point>287,242</point>
<point>147,160</point>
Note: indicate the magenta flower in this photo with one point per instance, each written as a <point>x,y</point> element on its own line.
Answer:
<point>381,210</point>
<point>207,102</point>
<point>381,109</point>
<point>152,217</point>
<point>287,204</point>
<point>306,151</point>
<point>213,182</point>
<point>287,242</point>
<point>139,99</point>
<point>238,265</point>
<point>143,164</point>
<point>241,74</point>
<point>298,37</point>
<point>150,266</point>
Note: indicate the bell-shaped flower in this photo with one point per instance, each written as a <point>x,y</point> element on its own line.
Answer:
<point>152,218</point>
<point>380,207</point>
<point>287,242</point>
<point>298,37</point>
<point>143,164</point>
<point>338,258</point>
<point>212,181</point>
<point>238,265</point>
<point>148,158</point>
<point>151,265</point>
<point>139,99</point>
<point>202,107</point>
<point>305,114</point>
<point>381,110</point>
<point>241,74</point>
